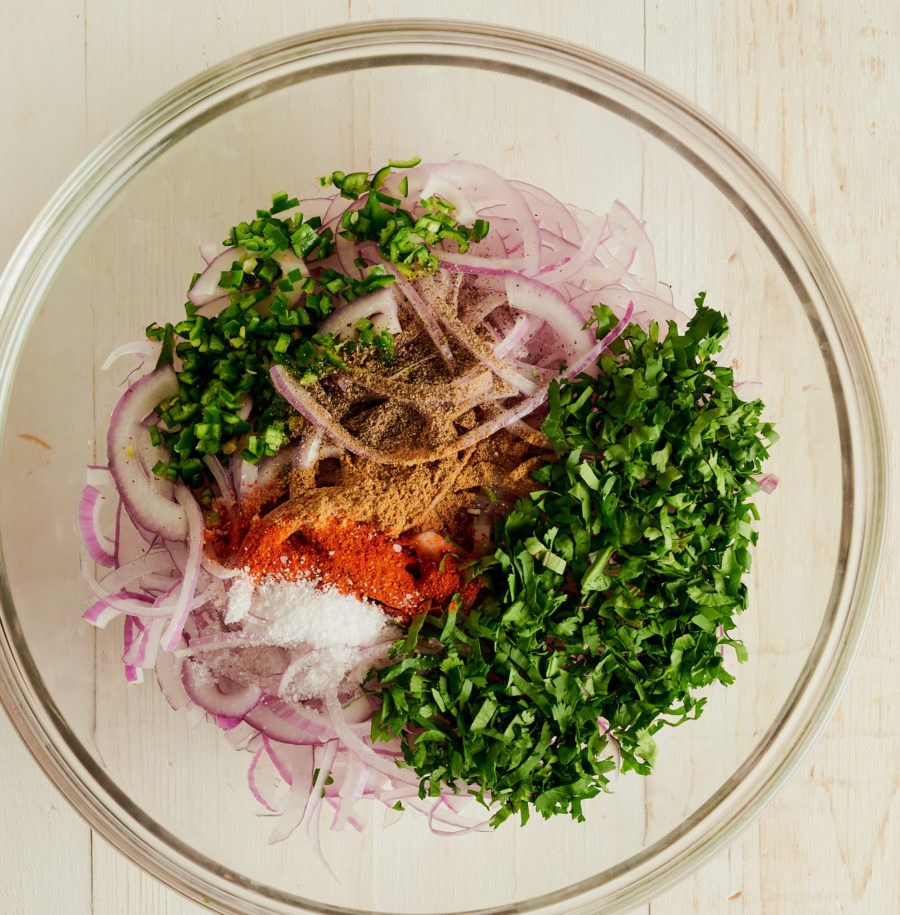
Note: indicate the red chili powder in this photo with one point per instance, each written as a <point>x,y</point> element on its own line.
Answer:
<point>357,559</point>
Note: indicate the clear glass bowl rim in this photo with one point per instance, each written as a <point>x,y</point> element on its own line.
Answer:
<point>707,147</point>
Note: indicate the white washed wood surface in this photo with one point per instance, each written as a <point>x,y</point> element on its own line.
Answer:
<point>812,87</point>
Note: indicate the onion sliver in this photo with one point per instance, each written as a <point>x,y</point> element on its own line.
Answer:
<point>296,729</point>
<point>206,287</point>
<point>140,348</point>
<point>205,692</point>
<point>146,498</point>
<point>88,510</point>
<point>380,307</point>
<point>358,746</point>
<point>223,480</point>
<point>307,453</point>
<point>629,231</point>
<point>514,337</point>
<point>551,306</point>
<point>594,353</point>
<point>192,568</point>
<point>168,676</point>
<point>426,315</point>
<point>498,366</point>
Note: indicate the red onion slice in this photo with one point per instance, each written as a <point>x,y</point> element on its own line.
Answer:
<point>379,306</point>
<point>425,313</point>
<point>192,569</point>
<point>145,497</point>
<point>141,348</point>
<point>251,781</point>
<point>88,515</point>
<point>223,480</point>
<point>500,367</point>
<point>168,676</point>
<point>629,232</point>
<point>299,731</point>
<point>356,744</point>
<point>551,306</point>
<point>206,288</point>
<point>205,691</point>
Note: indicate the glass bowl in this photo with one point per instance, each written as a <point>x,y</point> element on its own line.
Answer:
<point>110,254</point>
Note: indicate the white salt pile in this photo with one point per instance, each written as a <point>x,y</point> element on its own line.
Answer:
<point>329,634</point>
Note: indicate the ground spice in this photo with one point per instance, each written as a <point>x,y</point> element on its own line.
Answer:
<point>355,559</point>
<point>349,522</point>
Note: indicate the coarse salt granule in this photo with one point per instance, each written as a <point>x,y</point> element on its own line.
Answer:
<point>283,611</point>
<point>240,597</point>
<point>328,634</point>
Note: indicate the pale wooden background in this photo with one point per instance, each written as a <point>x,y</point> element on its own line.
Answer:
<point>812,87</point>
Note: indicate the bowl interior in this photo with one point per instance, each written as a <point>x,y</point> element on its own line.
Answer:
<point>130,266</point>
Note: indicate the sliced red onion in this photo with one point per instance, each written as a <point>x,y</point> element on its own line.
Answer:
<point>288,262</point>
<point>205,691</point>
<point>168,676</point>
<point>251,781</point>
<point>88,513</point>
<point>130,575</point>
<point>308,453</point>
<point>298,731</point>
<point>606,730</point>
<point>146,497</point>
<point>215,306</point>
<point>500,367</point>
<point>548,210</point>
<point>587,250</point>
<point>481,266</point>
<point>768,482</point>
<point>295,666</point>
<point>314,805</point>
<point>210,250</point>
<point>302,400</point>
<point>629,231</point>
<point>244,475</point>
<point>618,298</point>
<point>100,614</point>
<point>217,642</point>
<point>358,746</point>
<point>192,570</point>
<point>133,674</point>
<point>206,287</point>
<point>593,354</point>
<point>278,754</point>
<point>437,184</point>
<point>425,313</point>
<point>295,806</point>
<point>353,784</point>
<point>380,307</point>
<point>483,305</point>
<point>141,348</point>
<point>270,468</point>
<point>549,305</point>
<point>152,639</point>
<point>447,817</point>
<point>491,187</point>
<point>223,480</point>
<point>514,337</point>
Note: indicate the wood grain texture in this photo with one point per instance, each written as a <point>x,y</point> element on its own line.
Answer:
<point>812,88</point>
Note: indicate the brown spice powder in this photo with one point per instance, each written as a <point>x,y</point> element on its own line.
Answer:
<point>416,402</point>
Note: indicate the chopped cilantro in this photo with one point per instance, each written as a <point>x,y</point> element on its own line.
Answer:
<point>607,590</point>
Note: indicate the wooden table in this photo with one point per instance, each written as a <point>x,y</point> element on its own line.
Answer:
<point>813,88</point>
